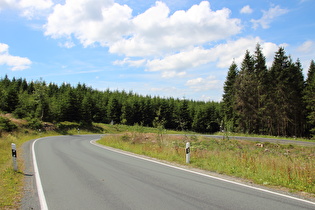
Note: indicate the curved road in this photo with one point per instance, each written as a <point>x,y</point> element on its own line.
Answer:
<point>76,174</point>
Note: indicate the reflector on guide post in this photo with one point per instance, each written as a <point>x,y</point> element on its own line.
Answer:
<point>13,146</point>
<point>187,152</point>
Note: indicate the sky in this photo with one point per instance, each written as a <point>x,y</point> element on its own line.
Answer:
<point>170,48</point>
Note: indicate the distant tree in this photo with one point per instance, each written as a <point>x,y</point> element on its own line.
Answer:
<point>114,110</point>
<point>86,110</point>
<point>41,99</point>
<point>183,116</point>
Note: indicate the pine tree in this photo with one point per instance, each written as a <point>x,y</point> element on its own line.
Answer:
<point>286,101</point>
<point>114,110</point>
<point>309,97</point>
<point>183,116</point>
<point>245,96</point>
<point>261,100</point>
<point>297,108</point>
<point>229,96</point>
<point>86,110</point>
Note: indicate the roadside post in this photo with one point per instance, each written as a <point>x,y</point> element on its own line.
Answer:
<point>187,152</point>
<point>13,146</point>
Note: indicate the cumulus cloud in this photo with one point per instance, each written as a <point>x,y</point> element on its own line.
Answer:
<point>306,47</point>
<point>246,10</point>
<point>222,54</point>
<point>170,33</point>
<point>235,50</point>
<point>305,52</point>
<point>180,61</point>
<point>151,33</point>
<point>268,17</point>
<point>158,40</point>
<point>203,84</point>
<point>28,8</point>
<point>15,62</point>
<point>127,61</point>
<point>89,21</point>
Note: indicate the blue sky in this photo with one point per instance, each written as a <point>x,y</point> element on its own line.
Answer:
<point>170,48</point>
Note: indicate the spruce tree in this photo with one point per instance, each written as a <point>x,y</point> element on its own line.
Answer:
<point>309,97</point>
<point>244,95</point>
<point>229,96</point>
<point>114,110</point>
<point>261,99</point>
<point>286,91</point>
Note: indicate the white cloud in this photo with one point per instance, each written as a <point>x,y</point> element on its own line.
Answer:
<point>89,21</point>
<point>180,61</point>
<point>15,62</point>
<point>306,47</point>
<point>235,50</point>
<point>246,10</point>
<point>175,65</point>
<point>203,84</point>
<point>156,32</point>
<point>268,17</point>
<point>151,33</point>
<point>156,39</point>
<point>28,8</point>
<point>136,63</point>
<point>5,4</point>
<point>171,74</point>
<point>68,44</point>
<point>170,43</point>
<point>305,52</point>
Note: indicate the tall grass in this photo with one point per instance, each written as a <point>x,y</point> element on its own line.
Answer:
<point>11,182</point>
<point>287,166</point>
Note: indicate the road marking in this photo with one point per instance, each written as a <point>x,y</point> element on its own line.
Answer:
<point>198,173</point>
<point>40,191</point>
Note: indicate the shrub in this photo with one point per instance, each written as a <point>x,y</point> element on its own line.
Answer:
<point>6,124</point>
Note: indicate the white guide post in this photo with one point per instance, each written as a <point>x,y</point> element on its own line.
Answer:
<point>187,152</point>
<point>13,146</point>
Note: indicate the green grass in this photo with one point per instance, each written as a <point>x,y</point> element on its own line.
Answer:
<point>11,183</point>
<point>292,167</point>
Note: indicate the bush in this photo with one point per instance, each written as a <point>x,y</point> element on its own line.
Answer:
<point>6,124</point>
<point>34,123</point>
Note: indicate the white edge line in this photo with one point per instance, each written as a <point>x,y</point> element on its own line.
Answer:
<point>40,191</point>
<point>194,172</point>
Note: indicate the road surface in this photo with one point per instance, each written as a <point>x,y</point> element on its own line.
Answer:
<point>76,174</point>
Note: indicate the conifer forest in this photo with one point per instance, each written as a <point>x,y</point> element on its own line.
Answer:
<point>275,101</point>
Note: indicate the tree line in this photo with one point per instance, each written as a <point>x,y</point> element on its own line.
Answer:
<point>82,104</point>
<point>273,101</point>
<point>256,100</point>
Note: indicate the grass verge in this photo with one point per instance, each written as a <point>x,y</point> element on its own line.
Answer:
<point>289,166</point>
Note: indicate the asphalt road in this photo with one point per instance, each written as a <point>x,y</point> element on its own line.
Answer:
<point>76,174</point>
